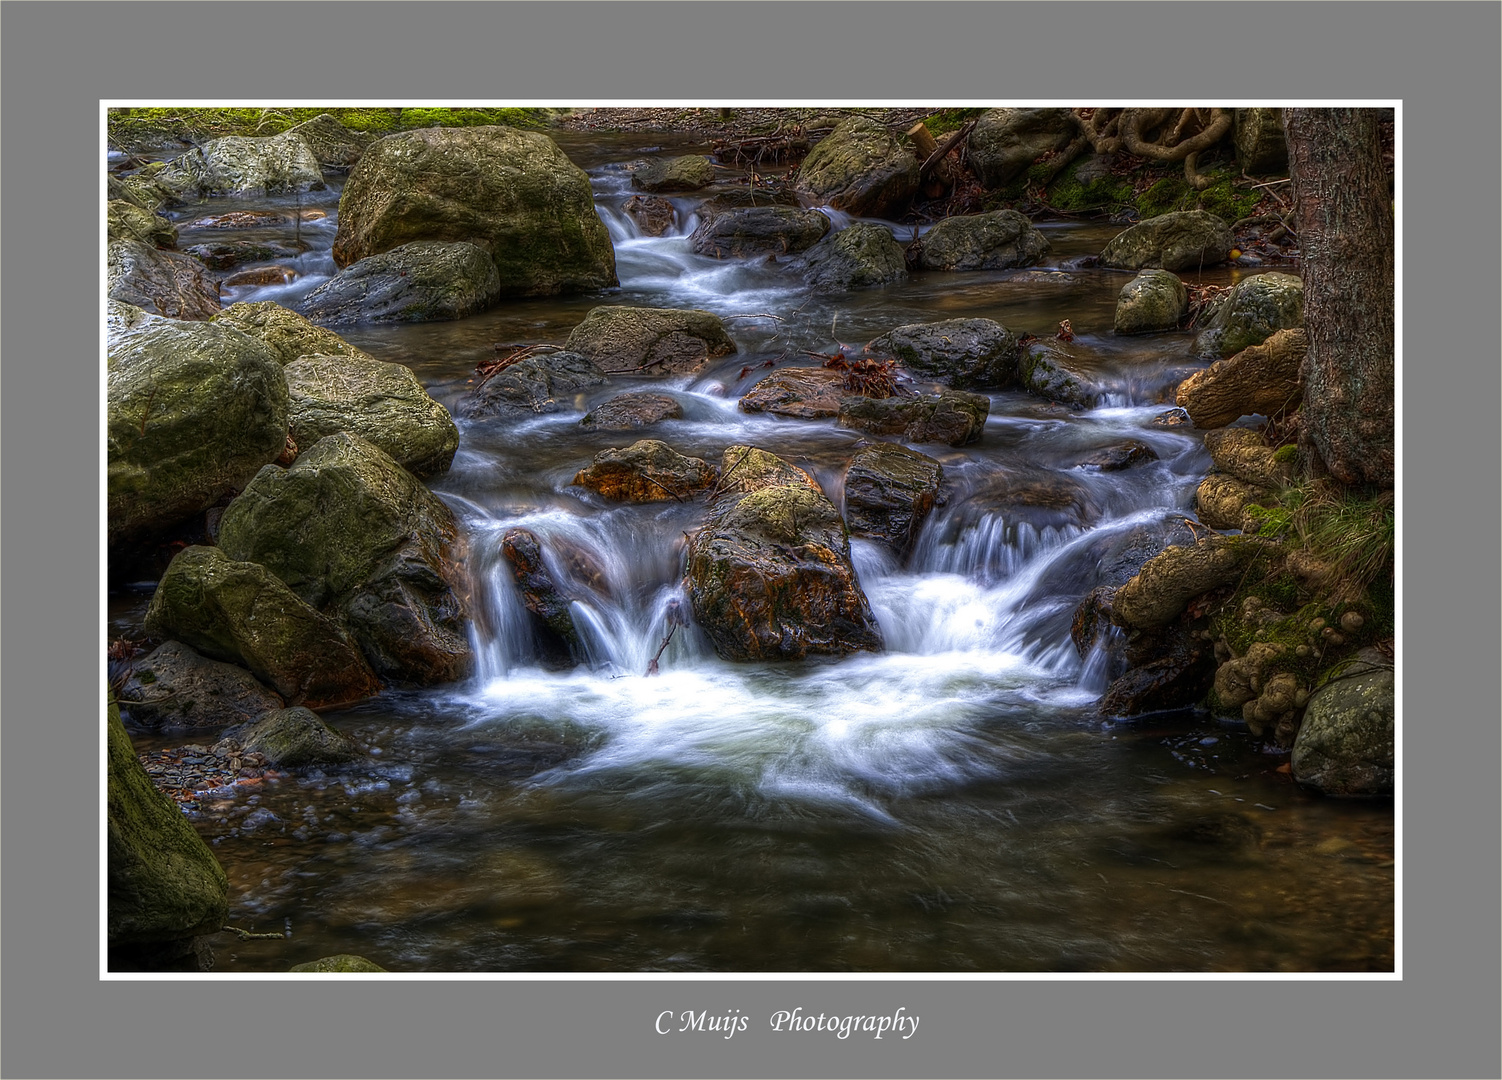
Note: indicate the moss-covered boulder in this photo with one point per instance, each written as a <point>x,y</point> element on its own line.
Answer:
<point>758,230</point>
<point>161,282</point>
<point>1260,380</point>
<point>646,471</point>
<point>241,613</point>
<point>688,173</point>
<point>889,492</point>
<point>175,687</point>
<point>1261,145</point>
<point>769,575</point>
<point>193,411</point>
<point>126,221</point>
<point>650,341</point>
<point>862,168</point>
<point>952,417</point>
<point>627,412</point>
<point>242,165</point>
<point>1244,454</point>
<point>999,240</point>
<point>744,469</point>
<point>164,883</point>
<point>1257,307</point>
<point>859,257</point>
<point>289,335</point>
<point>334,146</point>
<point>1186,240</point>
<point>424,281</point>
<point>964,353</point>
<point>804,393</point>
<point>342,963</point>
<point>545,383</point>
<point>1346,745</point>
<point>382,403</point>
<point>513,193</point>
<point>1153,301</point>
<point>1005,142</point>
<point>294,738</point>
<point>1160,591</point>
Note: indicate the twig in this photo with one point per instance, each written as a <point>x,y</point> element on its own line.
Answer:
<point>246,935</point>
<point>649,480</point>
<point>726,475</point>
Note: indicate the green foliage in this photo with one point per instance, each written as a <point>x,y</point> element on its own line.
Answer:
<point>1285,455</point>
<point>1226,201</point>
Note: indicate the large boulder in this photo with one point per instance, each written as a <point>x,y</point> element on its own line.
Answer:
<point>175,687</point>
<point>758,230</point>
<point>286,333</point>
<point>964,353</point>
<point>424,281</point>
<point>1346,744</point>
<point>334,146</point>
<point>769,575</point>
<point>889,492</point>
<point>999,240</point>
<point>243,165</point>
<point>804,393</point>
<point>241,613</point>
<point>650,341</point>
<point>161,282</point>
<point>688,173</point>
<point>513,193</point>
<point>193,411</point>
<point>1245,455</point>
<point>863,255</point>
<point>952,417</point>
<point>125,220</point>
<point>533,385</point>
<point>1186,240</point>
<point>293,738</point>
<point>1261,380</point>
<point>1160,591</point>
<point>1153,301</point>
<point>164,884</point>
<point>862,168</point>
<point>356,536</point>
<point>646,471</point>
<point>1005,142</point>
<point>1261,145</point>
<point>1257,308</point>
<point>382,403</point>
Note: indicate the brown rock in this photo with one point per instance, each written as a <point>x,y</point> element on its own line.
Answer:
<point>540,593</point>
<point>627,411</point>
<point>805,393</point>
<point>889,492</point>
<point>262,275</point>
<point>1167,582</point>
<point>653,215</point>
<point>1260,380</point>
<point>652,341</point>
<point>646,471</point>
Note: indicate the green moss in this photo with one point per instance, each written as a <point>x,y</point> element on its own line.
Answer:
<point>1226,201</point>
<point>944,121</point>
<point>1102,193</point>
<point>129,128</point>
<point>1165,196</point>
<point>1286,454</point>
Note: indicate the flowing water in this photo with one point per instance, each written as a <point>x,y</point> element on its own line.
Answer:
<point>955,804</point>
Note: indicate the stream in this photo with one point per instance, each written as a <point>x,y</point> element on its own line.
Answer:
<point>954,804</point>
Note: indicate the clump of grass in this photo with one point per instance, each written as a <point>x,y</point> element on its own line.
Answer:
<point>1354,531</point>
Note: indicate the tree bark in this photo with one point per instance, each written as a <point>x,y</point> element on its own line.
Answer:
<point>1344,214</point>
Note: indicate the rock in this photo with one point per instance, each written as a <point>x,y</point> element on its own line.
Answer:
<point>510,192</point>
<point>164,883</point>
<point>1005,142</point>
<point>999,240</point>
<point>175,687</point>
<point>963,353</point>
<point>424,281</point>
<point>241,219</point>
<point>953,417</point>
<point>115,190</point>
<point>241,613</point>
<point>1346,744</point>
<point>651,341</point>
<point>356,536</point>
<point>1261,146</point>
<point>1220,500</point>
<point>861,168</point>
<point>626,412</point>
<point>1152,301</point>
<point>142,188</point>
<point>688,173</point>
<point>294,738</point>
<point>382,403</point>
<point>744,469</point>
<point>1121,456</point>
<point>532,386</point>
<point>194,410</point>
<point>286,333</point>
<point>161,282</point>
<point>1258,307</point>
<point>343,963</point>
<point>1091,618</point>
<point>769,575</point>
<point>1040,498</point>
<point>1176,679</point>
<point>858,257</point>
<point>759,230</point>
<point>261,275</point>
<point>334,146</point>
<point>126,221</point>
<point>1157,595</point>
<point>1049,369</point>
<point>804,393</point>
<point>547,604</point>
<point>241,165</point>
<point>1245,455</point>
<point>653,216</point>
<point>1186,240</point>
<point>1262,380</point>
<point>646,471</point>
<point>889,492</point>
<point>123,321</point>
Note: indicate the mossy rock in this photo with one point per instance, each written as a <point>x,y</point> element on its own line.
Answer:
<point>999,240</point>
<point>1048,370</point>
<point>862,168</point>
<point>161,282</point>
<point>127,221</point>
<point>175,687</point>
<point>758,230</point>
<point>687,173</point>
<point>1244,454</point>
<point>1257,307</point>
<point>289,335</point>
<point>334,146</point>
<point>646,471</point>
<point>1346,745</point>
<point>1221,500</point>
<point>1179,241</point>
<point>858,257</point>
<point>951,417</point>
<point>1153,301</point>
<point>650,341</point>
<point>627,412</point>
<point>544,600</point>
<point>343,963</point>
<point>241,165</point>
<point>804,393</point>
<point>424,281</point>
<point>294,738</point>
<point>1005,142</point>
<point>745,469</point>
<point>1261,145</point>
<point>962,353</point>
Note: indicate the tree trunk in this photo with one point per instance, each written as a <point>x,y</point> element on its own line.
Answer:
<point>1344,214</point>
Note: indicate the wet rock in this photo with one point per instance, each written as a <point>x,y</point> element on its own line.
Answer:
<point>1261,145</point>
<point>1176,677</point>
<point>744,469</point>
<point>626,412</point>
<point>1256,308</point>
<point>805,393</point>
<point>1152,301</point>
<point>193,411</point>
<point>646,471</point>
<point>293,738</point>
<point>126,221</point>
<point>175,687</point>
<point>161,282</point>
<point>342,963</point>
<point>861,168</point>
<point>513,193</point>
<point>535,385</point>
<point>1172,418</point>
<point>1245,455</point>
<point>1159,592</point>
<point>999,240</point>
<point>1038,497</point>
<point>1049,369</point>
<point>1121,456</point>
<point>687,173</point>
<point>952,417</point>
<point>1092,617</point>
<point>548,605</point>
<point>889,492</point>
<point>239,165</point>
<point>858,257</point>
<point>1005,142</point>
<point>424,281</point>
<point>1221,500</point>
<point>653,216</point>
<point>334,146</point>
<point>382,403</point>
<point>289,335</point>
<point>241,613</point>
<point>261,275</point>
<point>1180,241</point>
<point>650,341</point>
<point>1346,744</point>
<point>759,230</point>
<point>240,219</point>
<point>1260,380</point>
<point>963,353</point>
